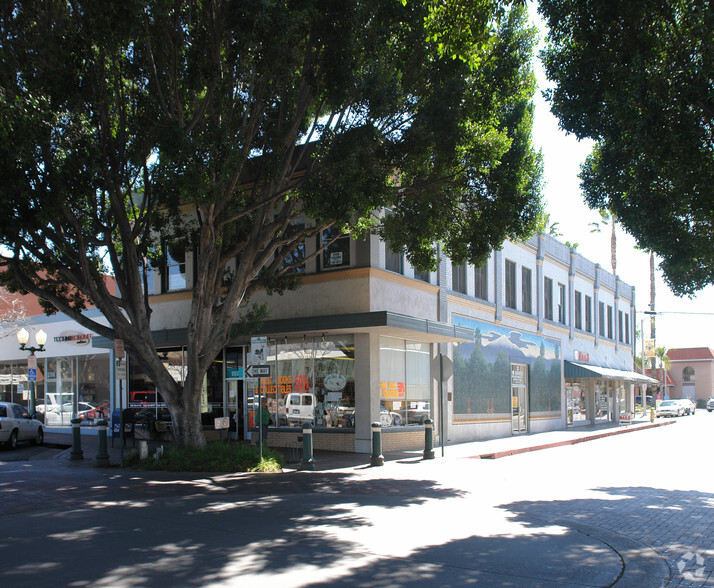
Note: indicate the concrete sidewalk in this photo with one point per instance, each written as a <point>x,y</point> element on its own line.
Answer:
<point>331,460</point>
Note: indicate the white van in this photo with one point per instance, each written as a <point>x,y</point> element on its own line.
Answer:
<point>300,407</point>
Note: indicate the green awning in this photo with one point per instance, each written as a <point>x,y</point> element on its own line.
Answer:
<point>580,370</point>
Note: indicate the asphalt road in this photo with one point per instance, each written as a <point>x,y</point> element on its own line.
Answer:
<point>634,509</point>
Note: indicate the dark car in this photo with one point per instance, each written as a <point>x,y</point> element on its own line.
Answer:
<point>710,404</point>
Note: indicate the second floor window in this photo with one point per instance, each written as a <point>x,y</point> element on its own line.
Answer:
<point>481,276</point>
<point>609,322</point>
<point>578,310</point>
<point>510,284</point>
<point>561,303</point>
<point>627,329</point>
<point>337,253</point>
<point>393,261</point>
<point>588,314</point>
<point>175,269</point>
<point>548,298</point>
<point>527,300</point>
<point>458,278</point>
<point>601,318</point>
<point>620,327</point>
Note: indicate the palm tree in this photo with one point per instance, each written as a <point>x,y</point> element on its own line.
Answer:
<point>607,218</point>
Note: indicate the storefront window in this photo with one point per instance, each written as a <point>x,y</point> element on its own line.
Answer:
<point>405,382</point>
<point>602,402</point>
<point>312,381</point>
<point>577,403</point>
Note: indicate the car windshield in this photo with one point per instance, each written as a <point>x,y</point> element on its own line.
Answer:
<point>668,403</point>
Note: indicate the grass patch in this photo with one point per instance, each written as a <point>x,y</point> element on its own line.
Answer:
<point>214,457</point>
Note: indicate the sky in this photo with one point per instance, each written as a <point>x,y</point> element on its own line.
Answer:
<point>680,322</point>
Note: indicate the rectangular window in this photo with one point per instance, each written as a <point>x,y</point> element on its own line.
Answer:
<point>423,276</point>
<point>609,322</point>
<point>295,260</point>
<point>588,314</point>
<point>526,298</point>
<point>481,276</point>
<point>175,268</point>
<point>561,304</point>
<point>393,262</point>
<point>336,252</point>
<point>548,298</point>
<point>620,327</point>
<point>627,329</point>
<point>578,310</point>
<point>601,318</point>
<point>405,381</point>
<point>458,278</point>
<point>510,284</point>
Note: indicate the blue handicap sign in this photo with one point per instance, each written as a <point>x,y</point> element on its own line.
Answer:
<point>32,374</point>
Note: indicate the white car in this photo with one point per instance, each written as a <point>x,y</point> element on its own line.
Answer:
<point>16,424</point>
<point>688,405</point>
<point>670,408</point>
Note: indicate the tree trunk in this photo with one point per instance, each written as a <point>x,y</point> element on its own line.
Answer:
<point>188,430</point>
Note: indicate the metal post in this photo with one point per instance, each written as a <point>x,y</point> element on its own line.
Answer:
<point>442,439</point>
<point>428,439</point>
<point>76,452</point>
<point>102,453</point>
<point>308,462</point>
<point>377,458</point>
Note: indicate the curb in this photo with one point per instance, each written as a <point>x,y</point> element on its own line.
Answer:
<point>594,436</point>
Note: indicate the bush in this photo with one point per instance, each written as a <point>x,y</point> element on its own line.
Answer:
<point>214,457</point>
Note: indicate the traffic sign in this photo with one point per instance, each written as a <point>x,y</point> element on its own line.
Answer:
<point>120,369</point>
<point>258,371</point>
<point>258,349</point>
<point>32,375</point>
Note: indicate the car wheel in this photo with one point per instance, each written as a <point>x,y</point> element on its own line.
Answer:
<point>12,441</point>
<point>40,436</point>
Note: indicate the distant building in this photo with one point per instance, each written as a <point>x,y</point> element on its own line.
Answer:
<point>692,372</point>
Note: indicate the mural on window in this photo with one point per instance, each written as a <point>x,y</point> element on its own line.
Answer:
<point>482,371</point>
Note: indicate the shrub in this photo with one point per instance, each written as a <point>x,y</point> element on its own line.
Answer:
<point>215,457</point>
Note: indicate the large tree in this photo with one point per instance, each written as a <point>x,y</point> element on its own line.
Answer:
<point>636,77</point>
<point>238,129</point>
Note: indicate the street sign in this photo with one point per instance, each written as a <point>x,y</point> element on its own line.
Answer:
<point>442,366</point>
<point>258,371</point>
<point>32,362</point>
<point>120,369</point>
<point>32,375</point>
<point>221,423</point>
<point>119,348</point>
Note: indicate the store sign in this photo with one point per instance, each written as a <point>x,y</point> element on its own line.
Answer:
<point>74,337</point>
<point>393,390</point>
<point>335,382</point>
<point>581,356</point>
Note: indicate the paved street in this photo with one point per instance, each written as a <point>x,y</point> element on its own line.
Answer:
<point>634,509</point>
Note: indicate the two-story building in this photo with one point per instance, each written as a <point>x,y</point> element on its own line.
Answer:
<point>537,339</point>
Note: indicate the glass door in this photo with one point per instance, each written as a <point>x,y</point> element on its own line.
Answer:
<point>519,398</point>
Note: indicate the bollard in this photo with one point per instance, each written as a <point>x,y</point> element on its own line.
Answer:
<point>428,439</point>
<point>377,458</point>
<point>308,463</point>
<point>76,452</point>
<point>652,415</point>
<point>102,453</point>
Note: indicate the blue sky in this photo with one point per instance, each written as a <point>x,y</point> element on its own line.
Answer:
<point>563,155</point>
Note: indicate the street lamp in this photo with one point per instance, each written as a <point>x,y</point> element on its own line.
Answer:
<point>40,338</point>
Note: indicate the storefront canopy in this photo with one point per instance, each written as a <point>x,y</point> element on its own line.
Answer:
<point>580,370</point>
<point>383,322</point>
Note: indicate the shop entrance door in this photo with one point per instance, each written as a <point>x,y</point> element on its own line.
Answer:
<point>519,398</point>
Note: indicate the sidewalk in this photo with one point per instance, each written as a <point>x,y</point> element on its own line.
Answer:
<point>331,460</point>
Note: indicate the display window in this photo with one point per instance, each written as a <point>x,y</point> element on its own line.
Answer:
<point>312,381</point>
<point>405,382</point>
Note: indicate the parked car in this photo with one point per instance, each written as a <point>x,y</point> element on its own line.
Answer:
<point>650,400</point>
<point>416,412</point>
<point>16,424</point>
<point>670,408</point>
<point>688,405</point>
<point>710,404</point>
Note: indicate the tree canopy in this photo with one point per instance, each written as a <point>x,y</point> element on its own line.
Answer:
<point>636,77</point>
<point>238,129</point>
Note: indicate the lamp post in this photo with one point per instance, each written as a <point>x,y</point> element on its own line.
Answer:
<point>40,338</point>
